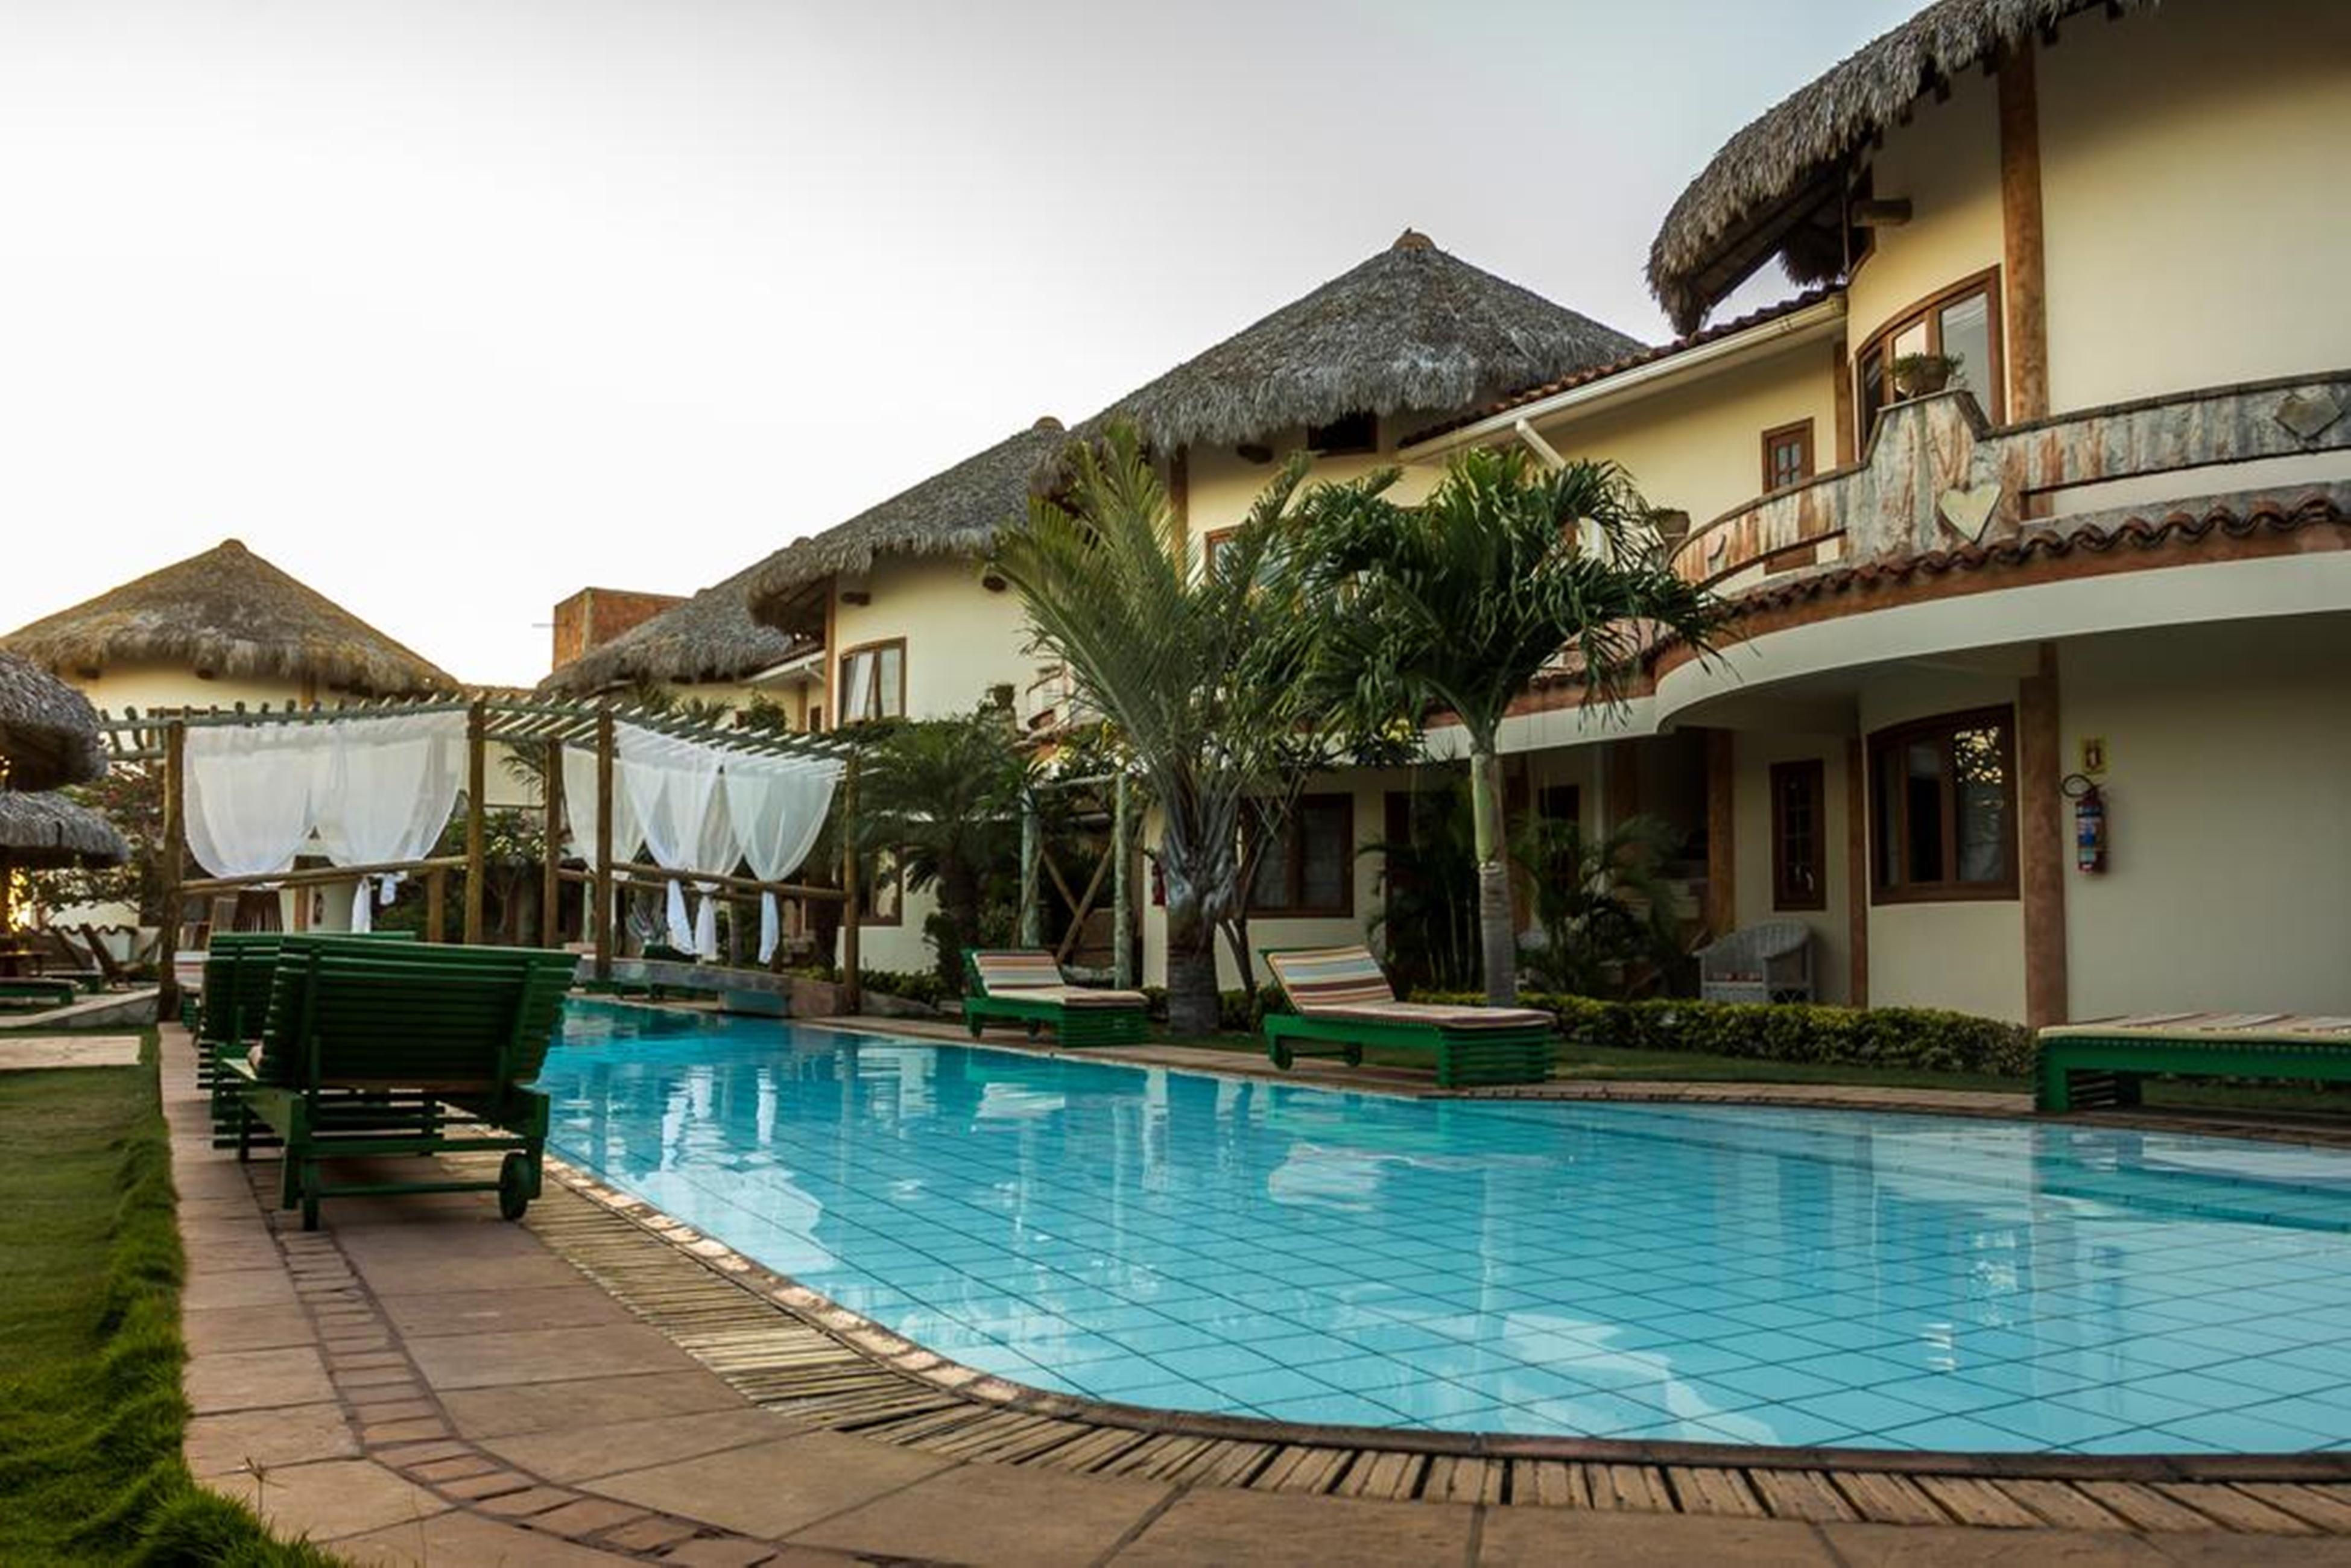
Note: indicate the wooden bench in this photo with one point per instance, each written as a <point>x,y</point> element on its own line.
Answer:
<point>1342,1002</point>
<point>2085,1066</point>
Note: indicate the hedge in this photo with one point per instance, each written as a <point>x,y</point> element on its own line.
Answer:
<point>1920,1037</point>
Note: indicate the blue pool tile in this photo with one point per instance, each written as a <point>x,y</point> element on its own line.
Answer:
<point>1213,1361</point>
<point>1151,1339</point>
<point>1339,1410</point>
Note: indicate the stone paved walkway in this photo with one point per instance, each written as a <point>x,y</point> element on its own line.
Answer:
<point>419,1382</point>
<point>23,1053</point>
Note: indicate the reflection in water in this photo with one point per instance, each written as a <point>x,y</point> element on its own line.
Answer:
<point>1699,1274</point>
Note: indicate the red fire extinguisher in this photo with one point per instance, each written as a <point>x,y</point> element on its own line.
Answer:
<point>2089,823</point>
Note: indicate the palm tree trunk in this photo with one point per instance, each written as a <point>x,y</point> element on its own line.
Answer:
<point>1496,926</point>
<point>1192,1001</point>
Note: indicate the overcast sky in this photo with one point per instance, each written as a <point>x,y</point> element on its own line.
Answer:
<point>453,306</point>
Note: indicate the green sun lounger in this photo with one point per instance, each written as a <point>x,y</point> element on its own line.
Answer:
<point>1026,987</point>
<point>36,992</point>
<point>375,1050</point>
<point>2086,1066</point>
<point>1342,1002</point>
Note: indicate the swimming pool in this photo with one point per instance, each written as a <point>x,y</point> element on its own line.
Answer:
<point>1618,1270</point>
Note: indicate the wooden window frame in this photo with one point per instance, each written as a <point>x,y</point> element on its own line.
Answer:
<point>1785,893</point>
<point>1211,542</point>
<point>841,667</point>
<point>1294,829</point>
<point>1929,311</point>
<point>1896,846</point>
<point>1801,429</point>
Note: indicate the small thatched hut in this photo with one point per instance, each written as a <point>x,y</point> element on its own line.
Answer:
<point>954,512</point>
<point>48,731</point>
<point>1412,330</point>
<point>227,613</point>
<point>39,831</point>
<point>1778,187</point>
<point>712,637</point>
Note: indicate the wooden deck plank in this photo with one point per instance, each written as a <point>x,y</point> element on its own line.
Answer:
<point>1639,1488</point>
<point>2235,1509</point>
<point>1705,1489</point>
<point>1801,1494</point>
<point>1888,1499</point>
<point>1095,1447</point>
<point>1223,1463</point>
<point>1394,1476</point>
<point>2327,1507</point>
<point>1977,1502</point>
<point>1302,1469</point>
<point>1549,1483</point>
<point>1457,1478</point>
<point>2145,1508</point>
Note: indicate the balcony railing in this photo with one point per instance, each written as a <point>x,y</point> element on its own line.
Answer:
<point>1938,475</point>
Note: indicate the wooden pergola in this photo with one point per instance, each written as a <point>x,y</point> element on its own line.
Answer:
<point>535,723</point>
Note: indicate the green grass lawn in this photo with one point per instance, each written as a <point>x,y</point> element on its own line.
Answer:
<point>1578,1061</point>
<point>90,1411</point>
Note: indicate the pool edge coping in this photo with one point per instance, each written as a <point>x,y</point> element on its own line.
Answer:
<point>944,1375</point>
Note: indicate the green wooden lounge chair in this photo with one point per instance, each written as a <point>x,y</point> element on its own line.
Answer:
<point>2083,1066</point>
<point>378,1049</point>
<point>1026,987</point>
<point>1340,1002</point>
<point>37,991</point>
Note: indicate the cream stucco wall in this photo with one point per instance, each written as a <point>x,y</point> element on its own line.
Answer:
<point>148,687</point>
<point>1754,753</point>
<point>1945,164</point>
<point>1699,448</point>
<point>2191,174</point>
<point>1221,485</point>
<point>2229,799</point>
<point>961,638</point>
<point>1970,954</point>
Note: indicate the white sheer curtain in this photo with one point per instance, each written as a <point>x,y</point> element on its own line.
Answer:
<point>390,786</point>
<point>857,704</point>
<point>250,792</point>
<point>579,808</point>
<point>715,852</point>
<point>670,784</point>
<point>778,806</point>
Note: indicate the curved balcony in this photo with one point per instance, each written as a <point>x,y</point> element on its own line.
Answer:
<point>1938,475</point>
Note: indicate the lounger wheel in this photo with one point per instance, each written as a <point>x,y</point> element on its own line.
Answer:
<point>1353,1055</point>
<point>514,1184</point>
<point>1035,1029</point>
<point>974,1026</point>
<point>1281,1055</point>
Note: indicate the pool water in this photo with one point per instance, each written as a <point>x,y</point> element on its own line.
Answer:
<point>1618,1270</point>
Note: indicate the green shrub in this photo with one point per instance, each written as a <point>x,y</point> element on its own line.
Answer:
<point>922,985</point>
<point>1923,1039</point>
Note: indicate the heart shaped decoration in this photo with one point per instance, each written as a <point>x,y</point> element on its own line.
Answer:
<point>2307,414</point>
<point>1967,508</point>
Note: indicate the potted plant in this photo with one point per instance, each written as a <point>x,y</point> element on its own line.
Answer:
<point>1916,375</point>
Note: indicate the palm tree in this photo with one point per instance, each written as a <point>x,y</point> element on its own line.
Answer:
<point>1603,900</point>
<point>943,795</point>
<point>1198,673</point>
<point>1455,604</point>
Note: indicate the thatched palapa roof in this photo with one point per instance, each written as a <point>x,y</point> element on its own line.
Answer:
<point>229,612</point>
<point>1778,186</point>
<point>954,512</point>
<point>40,831</point>
<point>48,731</point>
<point>1412,330</point>
<point>710,637</point>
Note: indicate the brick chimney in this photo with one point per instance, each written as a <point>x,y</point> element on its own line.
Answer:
<point>594,616</point>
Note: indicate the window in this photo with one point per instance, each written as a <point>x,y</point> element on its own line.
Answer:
<point>1210,543</point>
<point>1787,455</point>
<point>1944,818</point>
<point>880,888</point>
<point>1962,322</point>
<point>1310,868</point>
<point>1799,853</point>
<point>1347,434</point>
<point>874,682</point>
<point>815,720</point>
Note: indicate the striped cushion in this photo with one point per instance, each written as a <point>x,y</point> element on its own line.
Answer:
<point>1081,997</point>
<point>1441,1015</point>
<point>1315,978</point>
<point>2189,1026</point>
<point>1015,970</point>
